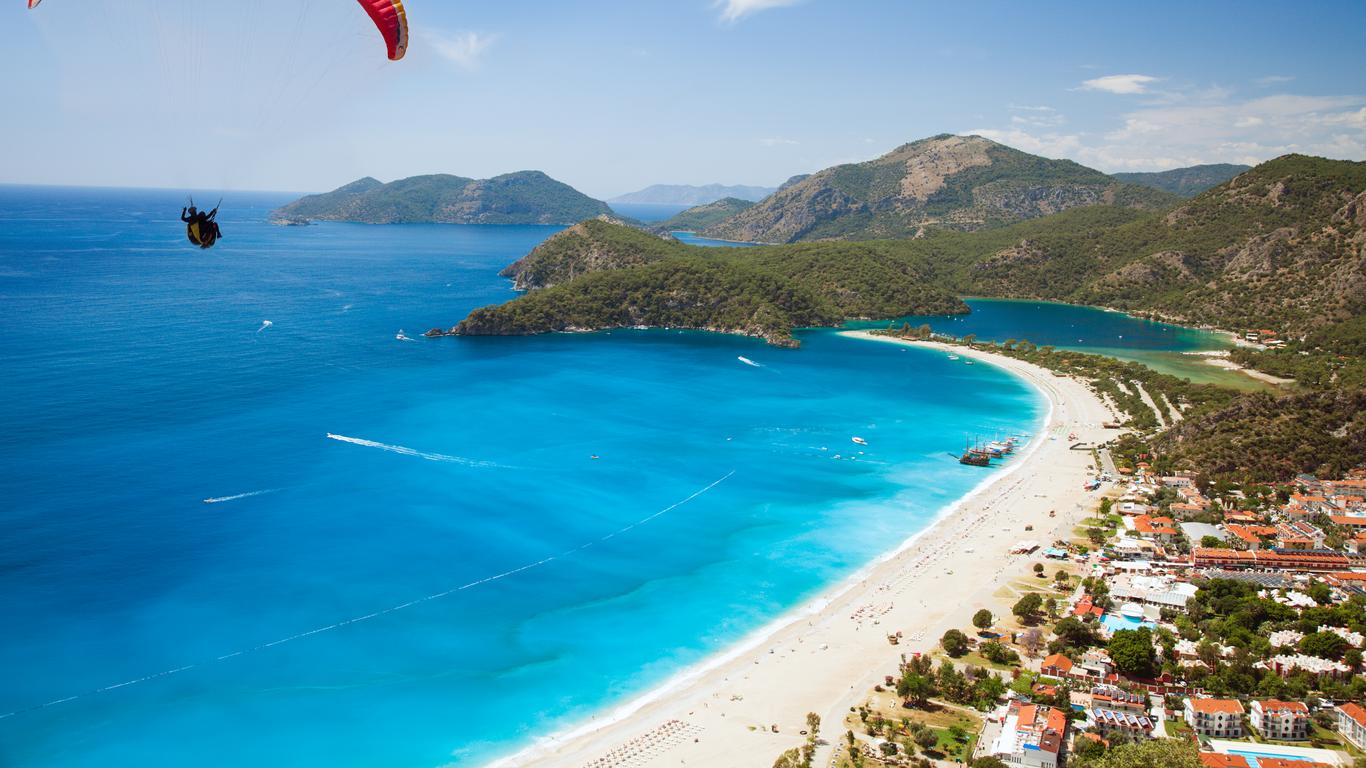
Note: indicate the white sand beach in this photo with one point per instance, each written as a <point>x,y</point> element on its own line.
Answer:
<point>824,657</point>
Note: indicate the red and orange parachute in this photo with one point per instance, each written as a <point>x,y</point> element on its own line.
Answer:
<point>388,16</point>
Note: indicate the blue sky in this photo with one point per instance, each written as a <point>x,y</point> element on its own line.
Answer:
<point>613,95</point>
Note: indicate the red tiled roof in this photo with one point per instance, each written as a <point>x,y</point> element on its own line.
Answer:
<point>1293,707</point>
<point>1059,661</point>
<point>1215,706</point>
<point>1354,711</point>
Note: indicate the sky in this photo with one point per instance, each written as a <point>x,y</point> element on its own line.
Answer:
<point>614,95</point>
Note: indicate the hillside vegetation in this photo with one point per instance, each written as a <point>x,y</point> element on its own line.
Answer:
<point>701,217</point>
<point>526,197</point>
<point>1186,182</point>
<point>955,182</point>
<point>763,292</point>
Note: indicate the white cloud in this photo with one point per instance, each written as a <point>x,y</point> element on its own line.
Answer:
<point>1124,84</point>
<point>734,10</point>
<point>1273,80</point>
<point>1205,127</point>
<point>464,49</point>
<point>778,141</point>
<point>1036,116</point>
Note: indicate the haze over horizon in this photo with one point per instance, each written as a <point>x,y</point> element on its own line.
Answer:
<point>612,97</point>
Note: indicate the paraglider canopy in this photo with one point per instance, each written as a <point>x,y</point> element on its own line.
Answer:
<point>392,21</point>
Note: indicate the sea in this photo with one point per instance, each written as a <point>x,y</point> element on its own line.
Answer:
<point>252,515</point>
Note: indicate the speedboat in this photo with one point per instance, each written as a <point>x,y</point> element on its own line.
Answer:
<point>859,440</point>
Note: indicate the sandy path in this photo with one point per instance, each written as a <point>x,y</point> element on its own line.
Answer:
<point>825,656</point>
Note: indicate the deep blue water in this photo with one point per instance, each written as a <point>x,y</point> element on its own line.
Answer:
<point>140,378</point>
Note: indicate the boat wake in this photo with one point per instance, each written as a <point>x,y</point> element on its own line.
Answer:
<point>383,611</point>
<point>264,325</point>
<point>747,361</point>
<point>235,497</point>
<point>405,451</point>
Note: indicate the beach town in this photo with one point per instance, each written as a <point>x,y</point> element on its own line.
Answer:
<point>1084,597</point>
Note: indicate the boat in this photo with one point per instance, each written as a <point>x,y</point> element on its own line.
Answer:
<point>969,362</point>
<point>859,440</point>
<point>401,336</point>
<point>975,457</point>
<point>953,357</point>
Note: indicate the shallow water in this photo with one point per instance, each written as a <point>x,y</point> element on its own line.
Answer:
<point>358,481</point>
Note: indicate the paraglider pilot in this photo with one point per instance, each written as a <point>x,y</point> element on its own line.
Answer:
<point>200,227</point>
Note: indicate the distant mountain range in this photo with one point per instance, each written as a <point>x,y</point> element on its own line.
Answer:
<point>526,197</point>
<point>946,181</point>
<point>684,194</point>
<point>1282,246</point>
<point>1186,182</point>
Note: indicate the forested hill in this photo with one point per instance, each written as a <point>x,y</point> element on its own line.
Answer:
<point>701,217</point>
<point>1186,182</point>
<point>605,275</point>
<point>1282,246</point>
<point>954,182</point>
<point>526,197</point>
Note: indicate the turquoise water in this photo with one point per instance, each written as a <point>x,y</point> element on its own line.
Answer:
<point>1161,346</point>
<point>1115,622</point>
<point>141,379</point>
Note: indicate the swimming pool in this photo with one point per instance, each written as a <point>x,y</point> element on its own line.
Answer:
<point>1114,622</point>
<point>1283,753</point>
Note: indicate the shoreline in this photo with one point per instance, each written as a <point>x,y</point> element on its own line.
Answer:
<point>648,725</point>
<point>1220,359</point>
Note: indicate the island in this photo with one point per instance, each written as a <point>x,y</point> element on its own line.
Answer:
<point>525,197</point>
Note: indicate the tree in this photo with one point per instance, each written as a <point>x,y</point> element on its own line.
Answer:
<point>1168,753</point>
<point>1325,645</point>
<point>1075,633</point>
<point>1032,641</point>
<point>789,759</point>
<point>997,653</point>
<point>955,643</point>
<point>1062,578</point>
<point>926,738</point>
<point>1038,567</point>
<point>982,619</point>
<point>1095,536</point>
<point>1087,749</point>
<point>988,762</point>
<point>1106,504</point>
<point>1028,607</point>
<point>1132,651</point>
<point>888,748</point>
<point>915,687</point>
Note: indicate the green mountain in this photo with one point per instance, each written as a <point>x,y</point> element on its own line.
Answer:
<point>590,246</point>
<point>954,182</point>
<point>1282,246</point>
<point>700,217</point>
<point>606,275</point>
<point>1186,182</point>
<point>526,197</point>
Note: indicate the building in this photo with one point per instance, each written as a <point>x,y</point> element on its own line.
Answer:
<point>1108,722</point>
<point>1352,723</point>
<point>1220,718</point>
<point>1161,591</point>
<point>1299,536</point>
<point>1031,736</point>
<point>1286,664</point>
<point>1280,720</point>
<point>1109,697</point>
<point>1250,536</point>
<point>1056,665</point>
<point>1316,561</point>
<point>1161,529</point>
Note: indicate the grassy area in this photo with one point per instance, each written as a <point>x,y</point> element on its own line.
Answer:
<point>1177,729</point>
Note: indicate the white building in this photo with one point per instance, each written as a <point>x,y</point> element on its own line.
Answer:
<point>1280,720</point>
<point>1031,736</point>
